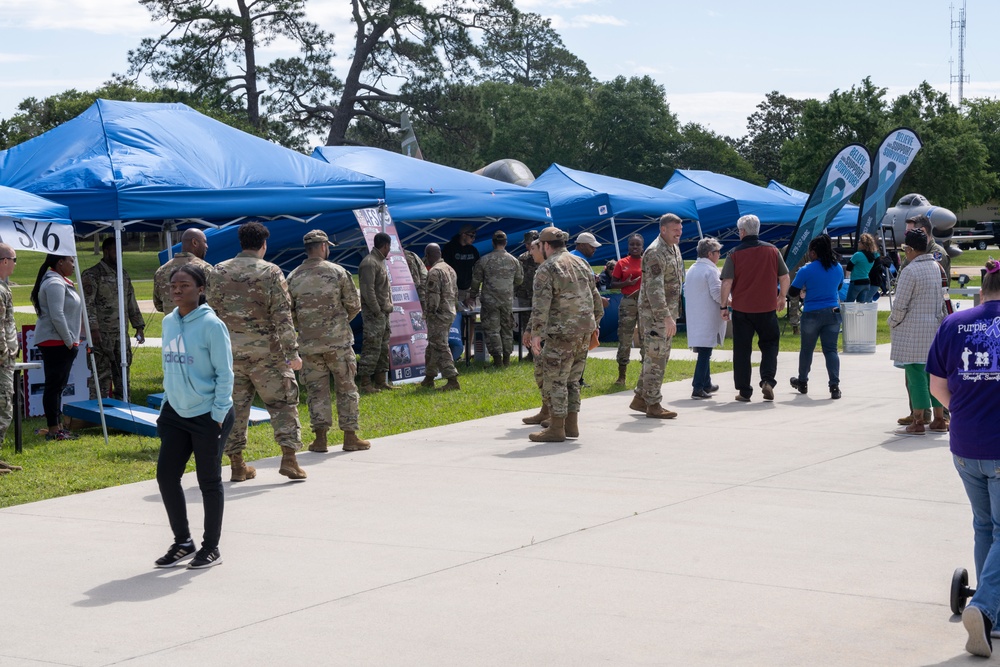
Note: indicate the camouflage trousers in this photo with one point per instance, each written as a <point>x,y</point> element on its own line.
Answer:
<point>108,358</point>
<point>6,396</point>
<point>437,357</point>
<point>375,343</point>
<point>562,363</point>
<point>794,308</point>
<point>316,372</point>
<point>628,317</point>
<point>656,354</point>
<point>271,379</point>
<point>497,320</point>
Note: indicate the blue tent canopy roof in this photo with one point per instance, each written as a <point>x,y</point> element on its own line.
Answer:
<point>582,201</point>
<point>845,222</point>
<point>26,206</point>
<point>154,162</point>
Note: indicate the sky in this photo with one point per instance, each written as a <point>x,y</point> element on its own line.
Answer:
<point>716,59</point>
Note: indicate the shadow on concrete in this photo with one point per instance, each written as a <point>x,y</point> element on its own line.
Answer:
<point>140,588</point>
<point>541,449</point>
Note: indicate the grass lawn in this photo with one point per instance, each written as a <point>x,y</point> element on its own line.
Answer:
<point>140,266</point>
<point>54,469</point>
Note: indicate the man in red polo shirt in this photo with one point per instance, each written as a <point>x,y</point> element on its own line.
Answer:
<point>627,277</point>
<point>757,278</point>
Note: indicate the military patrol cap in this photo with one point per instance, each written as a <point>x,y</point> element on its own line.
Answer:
<point>553,234</point>
<point>530,236</point>
<point>317,236</point>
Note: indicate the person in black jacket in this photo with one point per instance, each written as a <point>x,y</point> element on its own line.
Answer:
<point>461,255</point>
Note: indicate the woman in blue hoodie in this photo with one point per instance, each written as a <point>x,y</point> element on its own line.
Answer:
<point>196,416</point>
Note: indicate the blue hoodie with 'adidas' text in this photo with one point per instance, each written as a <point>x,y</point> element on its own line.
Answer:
<point>197,364</point>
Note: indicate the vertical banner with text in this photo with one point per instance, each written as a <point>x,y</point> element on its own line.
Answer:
<point>845,174</point>
<point>408,340</point>
<point>894,157</point>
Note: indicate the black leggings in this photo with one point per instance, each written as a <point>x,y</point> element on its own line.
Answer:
<point>58,362</point>
<point>179,438</point>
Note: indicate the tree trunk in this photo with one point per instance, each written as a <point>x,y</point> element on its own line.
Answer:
<point>250,57</point>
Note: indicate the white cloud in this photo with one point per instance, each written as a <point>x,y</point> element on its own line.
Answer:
<point>722,112</point>
<point>536,5</point>
<point>103,17</point>
<point>16,58</point>
<point>584,21</point>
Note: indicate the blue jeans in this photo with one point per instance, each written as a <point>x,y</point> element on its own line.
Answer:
<point>860,293</point>
<point>823,325</point>
<point>702,379</point>
<point>982,484</point>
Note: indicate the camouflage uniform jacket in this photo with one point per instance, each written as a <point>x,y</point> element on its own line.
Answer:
<point>566,302</point>
<point>373,276</point>
<point>324,301</point>
<point>528,268</point>
<point>161,279</point>
<point>419,274</point>
<point>498,273</point>
<point>662,282</point>
<point>100,293</point>
<point>251,297</point>
<point>442,291</point>
<point>937,252</point>
<point>8,341</point>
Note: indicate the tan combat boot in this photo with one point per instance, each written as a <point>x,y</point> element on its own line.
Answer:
<point>452,385</point>
<point>319,444</point>
<point>638,403</point>
<point>352,443</point>
<point>365,385</point>
<point>622,369</point>
<point>556,432</point>
<point>241,471</point>
<point>8,466</point>
<point>290,465</point>
<point>5,471</point>
<point>427,382</point>
<point>506,360</point>
<point>543,415</point>
<point>382,382</point>
<point>497,362</point>
<point>571,425</point>
<point>657,411</point>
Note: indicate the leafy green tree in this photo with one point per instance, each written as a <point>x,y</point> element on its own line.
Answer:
<point>211,49</point>
<point>700,148</point>
<point>523,48</point>
<point>984,113</point>
<point>775,121</point>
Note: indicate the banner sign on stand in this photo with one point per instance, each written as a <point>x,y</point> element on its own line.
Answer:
<point>408,340</point>
<point>894,157</point>
<point>845,174</point>
<point>34,378</point>
<point>37,235</point>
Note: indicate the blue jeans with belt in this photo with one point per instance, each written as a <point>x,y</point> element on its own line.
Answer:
<point>822,325</point>
<point>982,484</point>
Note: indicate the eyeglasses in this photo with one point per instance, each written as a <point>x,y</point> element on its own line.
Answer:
<point>13,259</point>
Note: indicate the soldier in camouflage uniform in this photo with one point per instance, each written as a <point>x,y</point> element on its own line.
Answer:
<point>495,276</point>
<point>522,292</point>
<point>376,306</point>
<point>100,293</point>
<point>324,301</point>
<point>566,311</point>
<point>194,245</point>
<point>251,298</point>
<point>442,291</point>
<point>419,274</point>
<point>542,417</point>
<point>8,348</point>
<point>659,307</point>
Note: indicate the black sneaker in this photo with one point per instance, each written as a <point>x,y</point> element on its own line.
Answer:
<point>713,388</point>
<point>206,558</point>
<point>175,554</point>
<point>700,393</point>
<point>835,392</point>
<point>803,387</point>
<point>979,628</point>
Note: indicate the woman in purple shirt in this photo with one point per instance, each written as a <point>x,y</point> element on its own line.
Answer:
<point>964,368</point>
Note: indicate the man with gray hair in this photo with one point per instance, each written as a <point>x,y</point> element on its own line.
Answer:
<point>756,277</point>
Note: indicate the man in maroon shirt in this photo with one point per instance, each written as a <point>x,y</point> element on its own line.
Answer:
<point>627,277</point>
<point>757,278</point>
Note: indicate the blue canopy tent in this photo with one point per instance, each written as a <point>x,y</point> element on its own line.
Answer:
<point>607,207</point>
<point>166,165</point>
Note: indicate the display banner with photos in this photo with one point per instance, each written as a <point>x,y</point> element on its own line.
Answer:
<point>408,340</point>
<point>894,157</point>
<point>34,378</point>
<point>845,174</point>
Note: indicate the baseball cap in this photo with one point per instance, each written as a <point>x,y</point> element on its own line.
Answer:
<point>588,239</point>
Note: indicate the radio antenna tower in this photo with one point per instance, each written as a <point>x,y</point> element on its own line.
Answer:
<point>962,77</point>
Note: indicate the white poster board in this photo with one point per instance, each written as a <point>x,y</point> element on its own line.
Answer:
<point>34,378</point>
<point>38,235</point>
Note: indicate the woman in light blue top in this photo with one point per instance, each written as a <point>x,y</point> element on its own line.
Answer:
<point>196,416</point>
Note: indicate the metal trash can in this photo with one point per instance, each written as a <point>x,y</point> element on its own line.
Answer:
<point>860,327</point>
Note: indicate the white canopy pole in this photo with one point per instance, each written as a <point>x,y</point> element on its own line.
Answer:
<point>122,322</point>
<point>614,233</point>
<point>89,351</point>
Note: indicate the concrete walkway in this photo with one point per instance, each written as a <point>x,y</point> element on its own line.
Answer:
<point>788,533</point>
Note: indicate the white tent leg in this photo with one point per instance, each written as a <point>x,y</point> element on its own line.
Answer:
<point>122,322</point>
<point>614,234</point>
<point>89,351</point>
